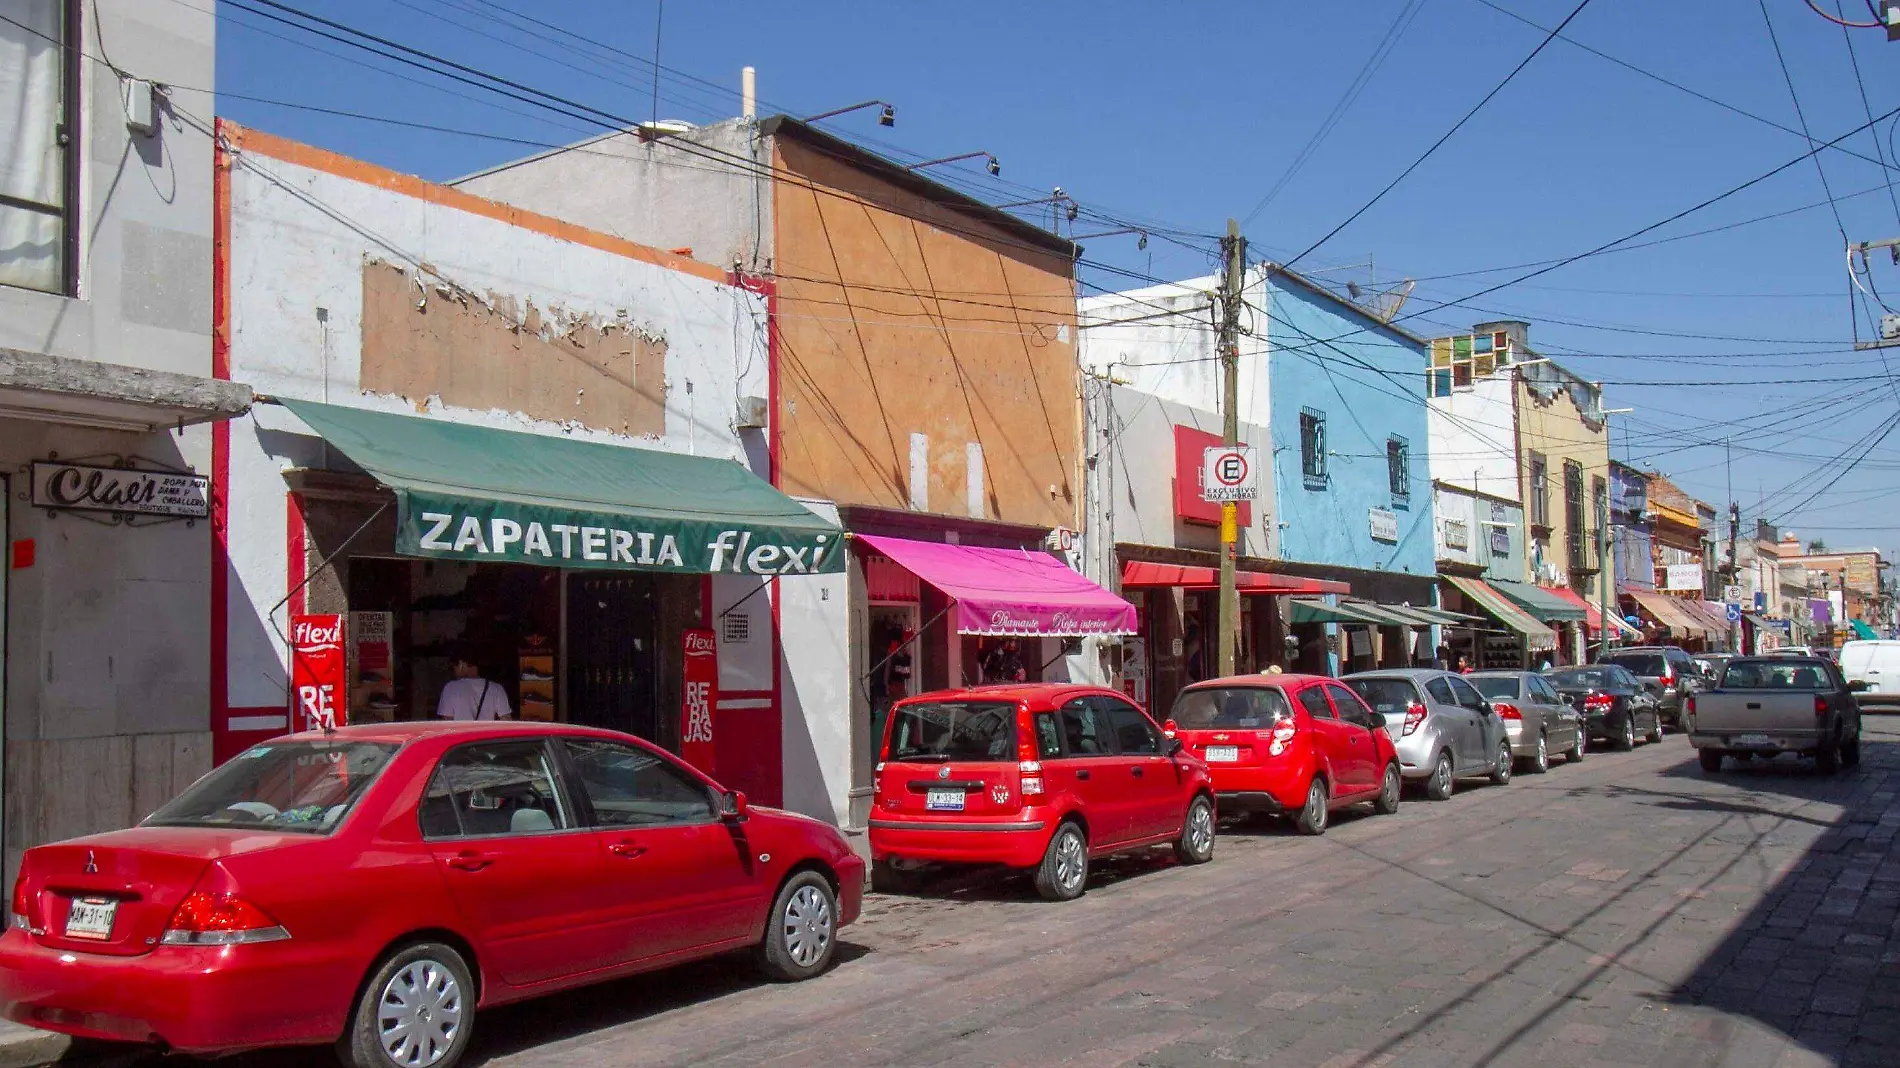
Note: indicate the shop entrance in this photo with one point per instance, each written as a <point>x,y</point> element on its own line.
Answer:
<point>613,663</point>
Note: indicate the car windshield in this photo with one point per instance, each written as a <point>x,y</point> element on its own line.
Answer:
<point>1496,687</point>
<point>953,730</point>
<point>1639,663</point>
<point>1238,706</point>
<point>1775,675</point>
<point>287,786</point>
<point>1386,696</point>
<point>1585,678</point>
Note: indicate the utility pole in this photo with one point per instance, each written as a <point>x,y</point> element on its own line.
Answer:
<point>1236,248</point>
<point>1606,561</point>
<point>1734,570</point>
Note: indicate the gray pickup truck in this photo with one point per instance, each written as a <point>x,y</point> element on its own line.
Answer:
<point>1762,706</point>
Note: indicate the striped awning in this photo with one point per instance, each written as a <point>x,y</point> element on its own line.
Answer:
<point>1674,616</point>
<point>1537,637</point>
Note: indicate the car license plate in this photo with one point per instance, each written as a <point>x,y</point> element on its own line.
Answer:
<point>91,917</point>
<point>1755,741</point>
<point>944,800</point>
<point>1222,754</point>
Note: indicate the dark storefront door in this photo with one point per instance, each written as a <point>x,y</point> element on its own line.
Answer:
<point>613,661</point>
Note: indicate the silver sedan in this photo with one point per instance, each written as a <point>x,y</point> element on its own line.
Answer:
<point>1535,716</point>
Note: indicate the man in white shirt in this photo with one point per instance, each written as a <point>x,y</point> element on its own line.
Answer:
<point>468,696</point>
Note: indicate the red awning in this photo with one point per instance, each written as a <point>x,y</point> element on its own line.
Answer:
<point>1593,616</point>
<point>1140,573</point>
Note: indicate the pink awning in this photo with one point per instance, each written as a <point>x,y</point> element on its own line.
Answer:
<point>1011,591</point>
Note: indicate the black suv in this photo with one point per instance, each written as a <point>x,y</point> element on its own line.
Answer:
<point>1668,672</point>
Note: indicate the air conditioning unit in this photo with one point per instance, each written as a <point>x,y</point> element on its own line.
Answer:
<point>754,413</point>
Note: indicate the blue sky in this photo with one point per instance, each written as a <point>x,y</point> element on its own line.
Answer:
<point>1182,115</point>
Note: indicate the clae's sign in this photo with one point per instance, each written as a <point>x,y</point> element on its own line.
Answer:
<point>120,490</point>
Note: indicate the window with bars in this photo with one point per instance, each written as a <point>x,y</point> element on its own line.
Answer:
<point>1540,490</point>
<point>1313,448</point>
<point>36,159</point>
<point>1574,524</point>
<point>1398,470</point>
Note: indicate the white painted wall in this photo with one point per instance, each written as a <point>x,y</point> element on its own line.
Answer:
<point>815,681</point>
<point>300,238</point>
<point>1474,437</point>
<point>1130,336</point>
<point>1138,478</point>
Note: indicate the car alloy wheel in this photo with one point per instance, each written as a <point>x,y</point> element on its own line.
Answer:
<point>1627,740</point>
<point>419,1013</point>
<point>1501,768</point>
<point>1196,845</point>
<point>1541,762</point>
<point>807,926</point>
<point>1388,800</point>
<point>1440,785</point>
<point>1312,817</point>
<point>1582,743</point>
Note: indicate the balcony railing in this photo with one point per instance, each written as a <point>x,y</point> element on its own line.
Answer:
<point>1584,554</point>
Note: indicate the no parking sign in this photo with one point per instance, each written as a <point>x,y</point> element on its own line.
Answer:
<point>1228,473</point>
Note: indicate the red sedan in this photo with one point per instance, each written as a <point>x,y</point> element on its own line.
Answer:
<point>1039,777</point>
<point>1293,745</point>
<point>374,886</point>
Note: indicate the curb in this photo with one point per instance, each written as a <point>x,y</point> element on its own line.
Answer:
<point>32,1049</point>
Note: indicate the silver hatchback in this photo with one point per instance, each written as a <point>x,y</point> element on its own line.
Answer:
<point>1442,727</point>
<point>1535,716</point>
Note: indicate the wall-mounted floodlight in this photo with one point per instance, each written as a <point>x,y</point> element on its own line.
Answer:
<point>1143,243</point>
<point>886,116</point>
<point>992,166</point>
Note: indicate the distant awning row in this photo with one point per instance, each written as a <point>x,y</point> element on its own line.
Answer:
<point>1537,637</point>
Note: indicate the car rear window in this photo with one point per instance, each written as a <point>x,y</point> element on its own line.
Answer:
<point>953,730</point>
<point>1496,687</point>
<point>1639,663</point>
<point>1775,675</point>
<point>306,787</point>
<point>1386,696</point>
<point>1237,706</point>
<point>1593,678</point>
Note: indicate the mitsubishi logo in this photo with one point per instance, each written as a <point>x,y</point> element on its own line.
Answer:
<point>943,772</point>
<point>92,863</point>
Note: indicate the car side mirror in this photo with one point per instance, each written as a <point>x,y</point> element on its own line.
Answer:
<point>1857,686</point>
<point>1174,747</point>
<point>1170,728</point>
<point>733,807</point>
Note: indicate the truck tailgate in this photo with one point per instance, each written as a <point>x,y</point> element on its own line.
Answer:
<point>1755,711</point>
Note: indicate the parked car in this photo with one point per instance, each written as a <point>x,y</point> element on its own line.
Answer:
<point>1669,673</point>
<point>1041,777</point>
<point>1288,745</point>
<point>1875,664</point>
<point>374,887</point>
<point>1711,665</point>
<point>1536,717</point>
<point>1441,726</point>
<point>1615,705</point>
<point>1769,705</point>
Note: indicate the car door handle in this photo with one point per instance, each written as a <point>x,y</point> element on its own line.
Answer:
<point>1082,774</point>
<point>628,850</point>
<point>470,860</point>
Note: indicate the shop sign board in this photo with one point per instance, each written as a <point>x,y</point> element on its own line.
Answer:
<point>1457,534</point>
<point>1067,544</point>
<point>1228,473</point>
<point>1861,574</point>
<point>700,694</point>
<point>372,667</point>
<point>1682,577</point>
<point>316,672</point>
<point>1384,523</point>
<point>445,526</point>
<point>127,491</point>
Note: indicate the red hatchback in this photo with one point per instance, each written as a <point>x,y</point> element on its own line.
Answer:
<point>1039,777</point>
<point>372,887</point>
<point>1293,745</point>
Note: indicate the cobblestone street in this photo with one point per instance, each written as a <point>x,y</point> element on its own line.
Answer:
<point>1628,911</point>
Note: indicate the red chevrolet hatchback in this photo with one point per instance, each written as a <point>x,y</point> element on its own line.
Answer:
<point>372,887</point>
<point>1039,777</point>
<point>1292,745</point>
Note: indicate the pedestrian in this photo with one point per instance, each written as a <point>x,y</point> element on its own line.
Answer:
<point>1272,669</point>
<point>468,696</point>
<point>1005,664</point>
<point>897,667</point>
<point>1464,665</point>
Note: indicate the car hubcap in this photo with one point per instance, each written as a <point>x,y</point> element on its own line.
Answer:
<point>420,1013</point>
<point>1316,805</point>
<point>1543,753</point>
<point>1201,828</point>
<point>1441,776</point>
<point>807,926</point>
<point>1069,860</point>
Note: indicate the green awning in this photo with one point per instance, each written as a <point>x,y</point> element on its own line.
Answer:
<point>1387,615</point>
<point>1305,611</point>
<point>501,496</point>
<point>1540,603</point>
<point>1408,615</point>
<point>1863,631</point>
<point>1537,637</point>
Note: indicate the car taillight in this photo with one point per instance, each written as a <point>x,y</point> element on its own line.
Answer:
<point>206,919</point>
<point>1668,675</point>
<point>1688,705</point>
<point>1507,710</point>
<point>1414,719</point>
<point>1599,702</point>
<point>1820,705</point>
<point>21,912</point>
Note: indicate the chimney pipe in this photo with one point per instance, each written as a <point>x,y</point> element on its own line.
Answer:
<point>748,94</point>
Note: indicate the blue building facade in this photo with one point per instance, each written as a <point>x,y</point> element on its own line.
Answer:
<point>1353,487</point>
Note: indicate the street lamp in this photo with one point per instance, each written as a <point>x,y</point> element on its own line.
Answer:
<point>995,168</point>
<point>885,117</point>
<point>1143,243</point>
